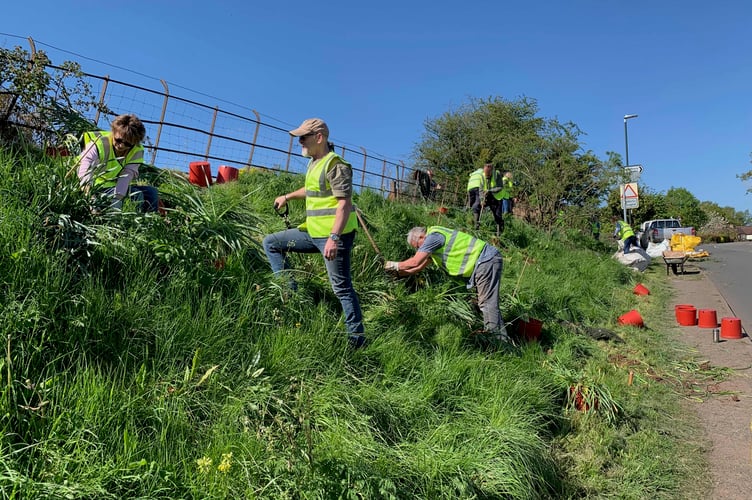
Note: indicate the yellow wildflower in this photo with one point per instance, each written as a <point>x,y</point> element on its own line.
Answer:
<point>226,463</point>
<point>204,463</point>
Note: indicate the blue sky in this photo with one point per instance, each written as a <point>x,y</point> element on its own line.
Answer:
<point>376,71</point>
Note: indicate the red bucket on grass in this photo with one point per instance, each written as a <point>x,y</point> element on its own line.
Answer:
<point>731,328</point>
<point>632,318</point>
<point>199,173</point>
<point>706,318</point>
<point>641,289</point>
<point>226,174</point>
<point>529,330</point>
<point>686,315</point>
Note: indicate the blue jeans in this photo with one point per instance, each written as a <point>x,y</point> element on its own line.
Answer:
<point>506,205</point>
<point>277,245</point>
<point>629,242</point>
<point>146,197</point>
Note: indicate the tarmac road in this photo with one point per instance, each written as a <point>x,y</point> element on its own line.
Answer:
<point>730,269</point>
<point>723,284</point>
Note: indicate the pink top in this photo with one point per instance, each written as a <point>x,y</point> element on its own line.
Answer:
<point>88,162</point>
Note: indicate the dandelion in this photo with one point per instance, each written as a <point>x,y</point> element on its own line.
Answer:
<point>226,463</point>
<point>297,325</point>
<point>204,464</point>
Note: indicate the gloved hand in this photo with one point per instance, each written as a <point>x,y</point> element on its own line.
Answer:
<point>391,266</point>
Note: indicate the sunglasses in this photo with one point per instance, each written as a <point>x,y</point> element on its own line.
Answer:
<point>304,138</point>
<point>122,142</point>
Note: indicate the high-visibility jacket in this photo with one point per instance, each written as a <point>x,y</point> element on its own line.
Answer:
<point>625,230</point>
<point>109,168</point>
<point>492,182</point>
<point>475,180</point>
<point>321,205</point>
<point>460,252</point>
<point>506,188</point>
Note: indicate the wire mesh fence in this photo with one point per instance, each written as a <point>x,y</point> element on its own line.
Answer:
<point>181,130</point>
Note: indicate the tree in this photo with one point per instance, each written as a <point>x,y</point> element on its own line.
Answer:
<point>730,214</point>
<point>745,177</point>
<point>39,101</point>
<point>551,170</point>
<point>682,204</point>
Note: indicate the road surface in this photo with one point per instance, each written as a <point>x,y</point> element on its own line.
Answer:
<point>730,269</point>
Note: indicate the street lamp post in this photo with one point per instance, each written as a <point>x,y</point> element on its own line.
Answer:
<point>626,158</point>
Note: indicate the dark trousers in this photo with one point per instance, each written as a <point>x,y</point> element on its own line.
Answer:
<point>472,195</point>
<point>494,205</point>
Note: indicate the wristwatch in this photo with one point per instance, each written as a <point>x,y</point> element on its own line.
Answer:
<point>334,237</point>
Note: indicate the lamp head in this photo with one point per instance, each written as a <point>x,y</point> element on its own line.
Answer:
<point>627,117</point>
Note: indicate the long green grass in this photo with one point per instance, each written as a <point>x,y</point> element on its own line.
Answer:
<point>157,357</point>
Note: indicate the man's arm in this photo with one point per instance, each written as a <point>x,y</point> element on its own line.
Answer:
<point>344,208</point>
<point>414,264</point>
<point>281,201</point>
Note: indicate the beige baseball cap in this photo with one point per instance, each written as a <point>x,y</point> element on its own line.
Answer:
<point>311,126</point>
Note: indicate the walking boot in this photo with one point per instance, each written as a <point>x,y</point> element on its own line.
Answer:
<point>476,220</point>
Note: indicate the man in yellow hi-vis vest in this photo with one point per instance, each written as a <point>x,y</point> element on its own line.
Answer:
<point>473,186</point>
<point>625,233</point>
<point>110,161</point>
<point>463,255</point>
<point>490,196</point>
<point>330,221</point>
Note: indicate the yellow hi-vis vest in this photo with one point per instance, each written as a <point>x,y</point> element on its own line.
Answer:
<point>491,183</point>
<point>507,187</point>
<point>107,172</point>
<point>321,205</point>
<point>460,252</point>
<point>625,230</point>
<point>475,180</point>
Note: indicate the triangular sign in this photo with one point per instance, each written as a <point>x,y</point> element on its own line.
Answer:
<point>629,192</point>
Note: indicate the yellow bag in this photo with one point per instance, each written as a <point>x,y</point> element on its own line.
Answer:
<point>684,242</point>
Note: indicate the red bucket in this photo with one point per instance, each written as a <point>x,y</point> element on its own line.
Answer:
<point>199,173</point>
<point>530,330</point>
<point>686,315</point>
<point>641,289</point>
<point>706,318</point>
<point>631,318</point>
<point>226,174</point>
<point>731,328</point>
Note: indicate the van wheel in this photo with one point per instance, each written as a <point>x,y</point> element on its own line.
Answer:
<point>644,242</point>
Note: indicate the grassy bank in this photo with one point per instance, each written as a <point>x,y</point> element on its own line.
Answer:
<point>156,357</point>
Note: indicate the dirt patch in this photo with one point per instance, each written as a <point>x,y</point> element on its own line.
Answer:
<point>724,407</point>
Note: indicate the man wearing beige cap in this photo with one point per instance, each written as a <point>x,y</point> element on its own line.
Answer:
<point>330,221</point>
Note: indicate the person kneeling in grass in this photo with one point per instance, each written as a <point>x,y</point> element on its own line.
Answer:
<point>464,255</point>
<point>111,160</point>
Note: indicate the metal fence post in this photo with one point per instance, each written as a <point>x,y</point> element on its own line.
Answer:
<point>255,137</point>
<point>161,121</point>
<point>365,161</point>
<point>383,173</point>
<point>102,93</point>
<point>289,154</point>
<point>211,133</point>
